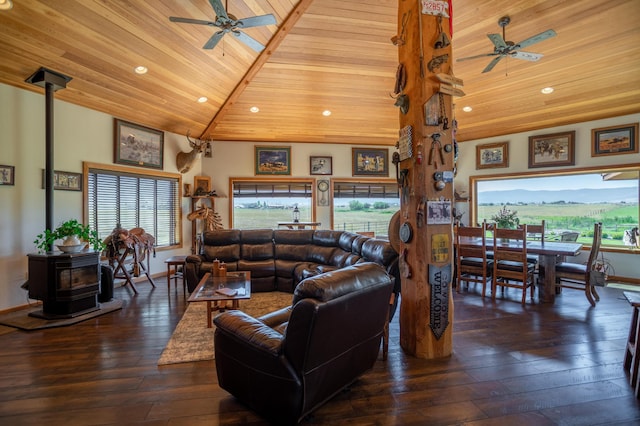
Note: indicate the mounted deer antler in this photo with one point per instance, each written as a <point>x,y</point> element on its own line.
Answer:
<point>184,160</point>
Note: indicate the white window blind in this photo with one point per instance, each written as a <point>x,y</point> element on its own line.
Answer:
<point>132,200</point>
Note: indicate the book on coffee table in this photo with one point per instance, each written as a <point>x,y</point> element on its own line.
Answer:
<point>225,291</point>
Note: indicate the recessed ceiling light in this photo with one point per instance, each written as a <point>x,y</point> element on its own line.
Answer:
<point>254,109</point>
<point>467,109</point>
<point>6,4</point>
<point>547,90</point>
<point>326,113</point>
<point>203,99</point>
<point>141,69</point>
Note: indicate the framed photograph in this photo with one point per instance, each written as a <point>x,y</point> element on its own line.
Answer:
<point>438,212</point>
<point>553,150</point>
<point>614,140</point>
<point>201,185</point>
<point>370,162</point>
<point>273,160</point>
<point>66,181</point>
<point>320,166</point>
<point>137,145</point>
<point>7,175</point>
<point>492,155</point>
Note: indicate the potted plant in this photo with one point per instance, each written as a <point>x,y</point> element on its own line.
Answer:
<point>74,234</point>
<point>506,218</point>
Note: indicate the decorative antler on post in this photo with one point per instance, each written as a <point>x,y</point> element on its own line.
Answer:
<point>184,160</point>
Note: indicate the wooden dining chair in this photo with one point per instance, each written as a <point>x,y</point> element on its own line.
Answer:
<point>510,266</point>
<point>534,232</point>
<point>578,276</point>
<point>471,259</point>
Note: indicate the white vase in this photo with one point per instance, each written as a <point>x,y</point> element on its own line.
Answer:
<point>71,240</point>
<point>71,244</point>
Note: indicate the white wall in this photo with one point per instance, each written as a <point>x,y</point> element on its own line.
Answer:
<point>236,159</point>
<point>85,135</point>
<point>623,264</point>
<point>80,135</point>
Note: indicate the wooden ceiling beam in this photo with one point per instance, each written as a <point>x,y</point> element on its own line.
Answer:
<point>264,56</point>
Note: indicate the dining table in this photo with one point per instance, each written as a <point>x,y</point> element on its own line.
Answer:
<point>548,253</point>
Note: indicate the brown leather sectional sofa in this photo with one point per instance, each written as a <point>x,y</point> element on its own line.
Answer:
<point>286,364</point>
<point>279,259</point>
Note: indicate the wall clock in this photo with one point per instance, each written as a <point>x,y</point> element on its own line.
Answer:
<point>323,189</point>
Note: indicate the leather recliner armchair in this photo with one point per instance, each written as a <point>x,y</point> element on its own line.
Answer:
<point>286,364</point>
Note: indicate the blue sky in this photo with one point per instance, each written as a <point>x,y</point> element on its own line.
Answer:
<point>589,181</point>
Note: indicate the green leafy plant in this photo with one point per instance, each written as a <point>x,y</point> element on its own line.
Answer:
<point>506,219</point>
<point>69,228</point>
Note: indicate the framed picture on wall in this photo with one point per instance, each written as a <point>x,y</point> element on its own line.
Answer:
<point>201,185</point>
<point>7,175</point>
<point>492,155</point>
<point>66,181</point>
<point>320,166</point>
<point>614,140</point>
<point>369,162</point>
<point>136,145</point>
<point>273,160</point>
<point>552,150</point>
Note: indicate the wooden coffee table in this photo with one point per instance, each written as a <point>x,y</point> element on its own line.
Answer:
<point>207,291</point>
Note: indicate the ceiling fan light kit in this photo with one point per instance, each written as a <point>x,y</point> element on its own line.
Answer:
<point>503,48</point>
<point>229,24</point>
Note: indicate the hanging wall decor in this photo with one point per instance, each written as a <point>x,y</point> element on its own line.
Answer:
<point>136,145</point>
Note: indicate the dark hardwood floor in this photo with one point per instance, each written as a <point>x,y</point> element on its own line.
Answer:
<point>511,365</point>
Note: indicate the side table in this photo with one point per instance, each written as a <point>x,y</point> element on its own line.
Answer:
<point>175,262</point>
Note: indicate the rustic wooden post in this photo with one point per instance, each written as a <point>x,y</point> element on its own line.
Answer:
<point>425,162</point>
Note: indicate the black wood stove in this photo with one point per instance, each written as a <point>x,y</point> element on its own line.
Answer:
<point>66,283</point>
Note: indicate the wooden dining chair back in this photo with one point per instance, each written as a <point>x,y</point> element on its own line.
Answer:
<point>471,259</point>
<point>534,232</point>
<point>510,266</point>
<point>578,276</point>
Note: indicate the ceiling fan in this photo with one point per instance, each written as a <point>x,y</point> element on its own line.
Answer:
<point>227,23</point>
<point>504,48</point>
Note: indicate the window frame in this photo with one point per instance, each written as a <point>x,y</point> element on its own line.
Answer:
<point>363,181</point>
<point>473,180</point>
<point>280,181</point>
<point>87,166</point>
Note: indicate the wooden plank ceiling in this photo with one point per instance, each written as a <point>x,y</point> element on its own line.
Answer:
<point>322,54</point>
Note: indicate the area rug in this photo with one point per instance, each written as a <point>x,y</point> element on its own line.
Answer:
<point>22,320</point>
<point>193,341</point>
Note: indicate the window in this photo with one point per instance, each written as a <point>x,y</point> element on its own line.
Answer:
<point>259,203</point>
<point>364,206</point>
<point>568,202</point>
<point>149,200</point>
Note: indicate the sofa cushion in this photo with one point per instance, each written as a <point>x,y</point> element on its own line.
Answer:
<point>223,245</point>
<point>379,251</point>
<point>332,284</point>
<point>326,238</point>
<point>256,244</point>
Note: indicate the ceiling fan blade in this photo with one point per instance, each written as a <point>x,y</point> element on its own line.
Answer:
<point>492,64</point>
<point>536,38</point>
<point>477,56</point>
<point>248,40</point>
<point>526,56</point>
<point>191,21</point>
<point>219,9</point>
<point>497,41</point>
<point>257,21</point>
<point>213,41</point>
